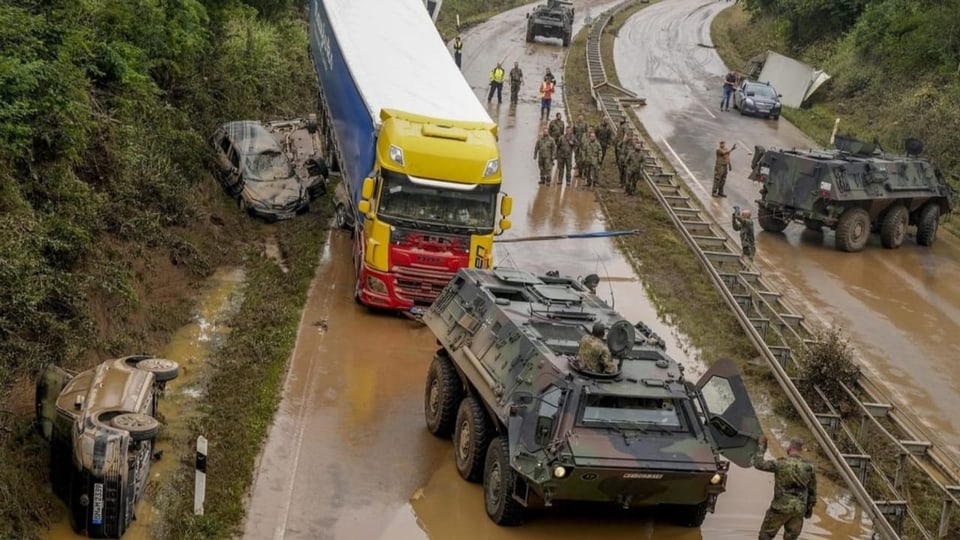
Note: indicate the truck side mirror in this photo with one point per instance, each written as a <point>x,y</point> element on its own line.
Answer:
<point>367,190</point>
<point>364,206</point>
<point>505,224</point>
<point>506,206</point>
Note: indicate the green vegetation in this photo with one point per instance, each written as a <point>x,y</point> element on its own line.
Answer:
<point>895,66</point>
<point>108,217</point>
<point>472,12</point>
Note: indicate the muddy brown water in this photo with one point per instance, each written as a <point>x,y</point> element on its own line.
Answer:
<point>899,307</point>
<point>191,347</point>
<point>349,457</point>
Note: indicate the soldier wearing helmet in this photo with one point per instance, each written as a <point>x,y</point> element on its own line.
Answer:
<point>593,354</point>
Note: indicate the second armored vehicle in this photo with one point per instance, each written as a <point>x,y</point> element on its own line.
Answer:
<point>854,189</point>
<point>531,421</point>
<point>553,19</point>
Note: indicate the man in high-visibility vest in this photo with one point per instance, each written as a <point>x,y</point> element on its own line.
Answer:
<point>457,50</point>
<point>496,83</point>
<point>546,97</point>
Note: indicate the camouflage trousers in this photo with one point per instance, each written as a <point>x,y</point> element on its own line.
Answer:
<point>514,93</point>
<point>546,167</point>
<point>588,171</point>
<point>564,169</point>
<point>630,181</point>
<point>773,520</point>
<point>749,250</point>
<point>719,179</point>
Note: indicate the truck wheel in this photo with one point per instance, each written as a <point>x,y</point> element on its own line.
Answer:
<point>928,224</point>
<point>163,370</point>
<point>442,394</point>
<point>141,427</point>
<point>853,230</point>
<point>769,222</point>
<point>566,40</point>
<point>894,227</point>
<point>530,35</point>
<point>813,225</point>
<point>499,480</point>
<point>471,436</point>
<point>689,515</point>
<point>340,216</point>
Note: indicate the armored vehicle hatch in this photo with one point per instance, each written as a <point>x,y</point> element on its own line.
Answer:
<point>855,189</point>
<point>537,422</point>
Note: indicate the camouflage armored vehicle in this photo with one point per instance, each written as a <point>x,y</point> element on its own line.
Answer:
<point>856,189</point>
<point>553,19</point>
<point>536,427</point>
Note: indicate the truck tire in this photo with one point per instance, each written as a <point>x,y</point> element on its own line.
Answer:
<point>499,481</point>
<point>813,225</point>
<point>471,436</point>
<point>442,394</point>
<point>853,230</point>
<point>689,515</point>
<point>893,229</point>
<point>927,224</point>
<point>566,39</point>
<point>163,370</point>
<point>340,216</point>
<point>530,34</point>
<point>769,222</point>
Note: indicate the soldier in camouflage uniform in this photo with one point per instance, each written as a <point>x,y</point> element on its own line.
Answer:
<point>580,134</point>
<point>633,167</point>
<point>623,149</point>
<point>604,136</point>
<point>743,223</point>
<point>555,128</point>
<point>544,153</point>
<point>794,491</point>
<point>516,80</point>
<point>565,147</point>
<point>591,160</point>
<point>593,353</point>
<point>720,168</point>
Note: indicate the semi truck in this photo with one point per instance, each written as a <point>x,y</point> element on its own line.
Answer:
<point>416,150</point>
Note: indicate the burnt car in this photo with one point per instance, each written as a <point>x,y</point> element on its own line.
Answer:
<point>758,99</point>
<point>273,169</point>
<point>101,424</point>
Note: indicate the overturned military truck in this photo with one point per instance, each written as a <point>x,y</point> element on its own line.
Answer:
<point>855,189</point>
<point>536,427</point>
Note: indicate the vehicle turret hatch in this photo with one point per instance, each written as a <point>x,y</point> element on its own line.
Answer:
<point>730,415</point>
<point>511,275</point>
<point>557,294</point>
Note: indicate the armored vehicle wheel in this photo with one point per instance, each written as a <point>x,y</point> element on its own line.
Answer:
<point>442,394</point>
<point>893,230</point>
<point>471,436</point>
<point>689,515</point>
<point>163,370</point>
<point>566,40</point>
<point>853,230</point>
<point>530,35</point>
<point>813,225</point>
<point>927,224</point>
<point>770,222</point>
<point>499,480</point>
<point>141,427</point>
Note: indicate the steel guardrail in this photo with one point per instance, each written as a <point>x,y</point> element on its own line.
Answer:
<point>765,315</point>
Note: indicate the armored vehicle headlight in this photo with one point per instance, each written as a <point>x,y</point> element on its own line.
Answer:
<point>559,471</point>
<point>716,479</point>
<point>396,154</point>
<point>493,165</point>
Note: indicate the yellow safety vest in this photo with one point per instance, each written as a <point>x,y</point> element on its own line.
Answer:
<point>457,44</point>
<point>496,75</point>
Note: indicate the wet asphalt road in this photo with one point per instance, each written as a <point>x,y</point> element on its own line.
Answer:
<point>349,457</point>
<point>900,307</point>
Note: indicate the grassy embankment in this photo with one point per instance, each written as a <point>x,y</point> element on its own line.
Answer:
<point>109,219</point>
<point>889,99</point>
<point>472,12</point>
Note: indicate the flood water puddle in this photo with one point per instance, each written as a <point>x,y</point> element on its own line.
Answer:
<point>191,346</point>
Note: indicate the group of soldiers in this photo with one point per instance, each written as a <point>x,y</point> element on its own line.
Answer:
<point>579,150</point>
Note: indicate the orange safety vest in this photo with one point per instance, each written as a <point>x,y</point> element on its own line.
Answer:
<point>546,90</point>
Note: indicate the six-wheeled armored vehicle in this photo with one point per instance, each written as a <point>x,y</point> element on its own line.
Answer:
<point>553,19</point>
<point>537,427</point>
<point>101,425</point>
<point>856,189</point>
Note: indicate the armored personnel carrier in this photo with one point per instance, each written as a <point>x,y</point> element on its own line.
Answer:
<point>553,19</point>
<point>856,189</point>
<point>536,427</point>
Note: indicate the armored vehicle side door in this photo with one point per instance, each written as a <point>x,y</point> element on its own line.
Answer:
<point>730,415</point>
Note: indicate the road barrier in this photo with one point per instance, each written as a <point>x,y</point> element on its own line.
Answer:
<point>904,448</point>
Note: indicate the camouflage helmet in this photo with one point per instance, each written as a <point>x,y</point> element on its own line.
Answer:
<point>598,329</point>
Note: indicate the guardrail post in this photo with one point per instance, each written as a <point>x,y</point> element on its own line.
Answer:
<point>860,462</point>
<point>947,510</point>
<point>200,485</point>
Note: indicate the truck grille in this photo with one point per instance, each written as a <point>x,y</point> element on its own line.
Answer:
<point>421,285</point>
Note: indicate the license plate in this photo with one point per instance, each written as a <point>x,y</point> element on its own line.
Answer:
<point>286,215</point>
<point>417,310</point>
<point>97,517</point>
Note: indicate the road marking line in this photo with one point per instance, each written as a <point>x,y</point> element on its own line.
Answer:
<point>684,165</point>
<point>704,107</point>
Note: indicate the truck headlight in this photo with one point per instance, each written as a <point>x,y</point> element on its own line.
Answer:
<point>396,154</point>
<point>376,285</point>
<point>492,167</point>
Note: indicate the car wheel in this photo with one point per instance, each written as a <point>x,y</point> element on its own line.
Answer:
<point>853,230</point>
<point>340,216</point>
<point>442,393</point>
<point>163,370</point>
<point>893,230</point>
<point>776,117</point>
<point>928,224</point>
<point>141,427</point>
<point>499,481</point>
<point>471,436</point>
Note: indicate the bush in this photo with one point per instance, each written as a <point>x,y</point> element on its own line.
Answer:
<point>827,364</point>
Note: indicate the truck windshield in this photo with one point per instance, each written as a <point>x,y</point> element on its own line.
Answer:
<point>627,411</point>
<point>402,199</point>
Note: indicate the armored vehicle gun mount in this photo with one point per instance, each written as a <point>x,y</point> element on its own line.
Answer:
<point>536,427</point>
<point>855,189</point>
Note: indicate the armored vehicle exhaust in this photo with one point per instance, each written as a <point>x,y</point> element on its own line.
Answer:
<point>537,420</point>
